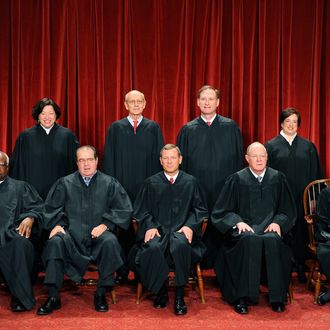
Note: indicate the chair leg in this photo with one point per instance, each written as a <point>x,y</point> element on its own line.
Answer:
<point>290,293</point>
<point>138,293</point>
<point>113,296</point>
<point>317,286</point>
<point>200,282</point>
<point>310,274</point>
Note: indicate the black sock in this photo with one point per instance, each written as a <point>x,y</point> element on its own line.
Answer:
<point>101,290</point>
<point>179,292</point>
<point>52,291</point>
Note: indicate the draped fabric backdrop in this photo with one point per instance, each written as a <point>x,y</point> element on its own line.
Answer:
<point>263,55</point>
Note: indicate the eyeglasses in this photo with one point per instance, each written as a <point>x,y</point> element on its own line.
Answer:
<point>138,102</point>
<point>85,160</point>
<point>3,165</point>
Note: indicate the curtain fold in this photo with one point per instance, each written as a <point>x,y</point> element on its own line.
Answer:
<point>87,54</point>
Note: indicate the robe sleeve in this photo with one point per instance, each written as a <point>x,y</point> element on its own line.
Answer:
<point>224,216</point>
<point>109,153</point>
<point>119,207</point>
<point>73,145</point>
<point>239,149</point>
<point>16,165</point>
<point>315,164</point>
<point>197,213</point>
<point>143,211</point>
<point>286,213</point>
<point>181,142</point>
<point>54,209</point>
<point>32,204</point>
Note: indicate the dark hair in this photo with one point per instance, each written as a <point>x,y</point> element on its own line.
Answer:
<point>87,146</point>
<point>205,87</point>
<point>170,146</point>
<point>289,112</point>
<point>37,109</point>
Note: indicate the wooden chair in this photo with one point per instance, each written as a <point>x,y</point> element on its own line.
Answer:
<point>311,194</point>
<point>195,279</point>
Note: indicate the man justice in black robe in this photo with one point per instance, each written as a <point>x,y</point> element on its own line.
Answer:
<point>322,236</point>
<point>83,212</point>
<point>169,211</point>
<point>21,211</point>
<point>211,147</point>
<point>131,154</point>
<point>254,212</point>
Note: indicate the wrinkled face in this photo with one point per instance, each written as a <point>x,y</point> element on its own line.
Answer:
<point>170,161</point>
<point>86,162</point>
<point>208,102</point>
<point>135,103</point>
<point>290,125</point>
<point>257,158</point>
<point>47,117</point>
<point>3,167</point>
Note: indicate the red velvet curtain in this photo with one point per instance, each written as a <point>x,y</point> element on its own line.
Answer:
<point>264,55</point>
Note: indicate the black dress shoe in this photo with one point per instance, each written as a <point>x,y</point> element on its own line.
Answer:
<point>319,300</point>
<point>241,307</point>
<point>180,307</point>
<point>161,299</point>
<point>278,307</point>
<point>100,303</point>
<point>16,306</point>
<point>49,306</point>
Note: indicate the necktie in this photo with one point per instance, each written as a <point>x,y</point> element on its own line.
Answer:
<point>208,123</point>
<point>171,180</point>
<point>135,124</point>
<point>259,178</point>
<point>87,180</point>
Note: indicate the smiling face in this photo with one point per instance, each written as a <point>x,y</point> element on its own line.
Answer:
<point>86,162</point>
<point>47,116</point>
<point>290,125</point>
<point>170,161</point>
<point>208,102</point>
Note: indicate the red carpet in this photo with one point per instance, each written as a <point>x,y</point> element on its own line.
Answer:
<point>77,311</point>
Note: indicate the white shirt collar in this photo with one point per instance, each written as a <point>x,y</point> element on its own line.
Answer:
<point>256,175</point>
<point>169,177</point>
<point>131,120</point>
<point>290,141</point>
<point>47,130</point>
<point>210,120</point>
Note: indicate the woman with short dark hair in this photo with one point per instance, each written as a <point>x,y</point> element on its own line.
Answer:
<point>46,151</point>
<point>298,159</point>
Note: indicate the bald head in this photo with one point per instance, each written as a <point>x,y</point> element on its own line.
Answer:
<point>256,156</point>
<point>134,94</point>
<point>254,145</point>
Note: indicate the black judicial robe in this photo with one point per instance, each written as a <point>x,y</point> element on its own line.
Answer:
<point>40,158</point>
<point>211,154</point>
<point>243,198</point>
<point>80,208</point>
<point>322,231</point>
<point>131,158</point>
<point>301,165</point>
<point>168,207</point>
<point>18,200</point>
